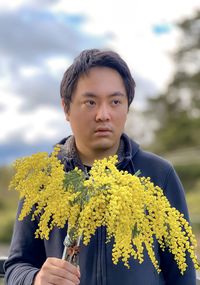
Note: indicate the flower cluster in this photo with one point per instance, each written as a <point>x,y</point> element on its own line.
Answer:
<point>134,211</point>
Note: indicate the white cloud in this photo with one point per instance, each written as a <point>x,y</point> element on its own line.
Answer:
<point>11,5</point>
<point>132,14</point>
<point>29,71</point>
<point>56,65</point>
<point>10,120</point>
<point>131,23</point>
<point>45,123</point>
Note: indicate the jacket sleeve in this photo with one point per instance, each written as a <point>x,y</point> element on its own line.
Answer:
<point>27,253</point>
<point>175,194</point>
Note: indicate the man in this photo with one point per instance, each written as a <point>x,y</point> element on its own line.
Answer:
<point>96,92</point>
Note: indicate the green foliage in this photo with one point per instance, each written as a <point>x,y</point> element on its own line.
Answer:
<point>6,226</point>
<point>74,180</point>
<point>178,109</point>
<point>8,205</point>
<point>6,173</point>
<point>178,133</point>
<point>190,176</point>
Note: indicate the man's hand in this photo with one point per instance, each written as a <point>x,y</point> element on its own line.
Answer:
<point>57,272</point>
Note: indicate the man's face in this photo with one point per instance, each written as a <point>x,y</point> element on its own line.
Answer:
<point>98,112</point>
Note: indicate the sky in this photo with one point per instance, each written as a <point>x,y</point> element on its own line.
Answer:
<point>38,41</point>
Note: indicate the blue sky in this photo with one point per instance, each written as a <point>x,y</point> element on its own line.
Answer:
<point>38,40</point>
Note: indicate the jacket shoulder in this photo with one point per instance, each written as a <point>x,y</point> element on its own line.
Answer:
<point>154,166</point>
<point>152,158</point>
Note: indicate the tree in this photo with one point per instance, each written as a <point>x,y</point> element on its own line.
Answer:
<point>178,109</point>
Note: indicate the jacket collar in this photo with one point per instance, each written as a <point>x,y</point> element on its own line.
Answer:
<point>69,155</point>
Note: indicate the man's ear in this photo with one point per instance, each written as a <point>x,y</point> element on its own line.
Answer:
<point>65,109</point>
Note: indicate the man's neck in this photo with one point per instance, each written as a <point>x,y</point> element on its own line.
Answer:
<point>88,157</point>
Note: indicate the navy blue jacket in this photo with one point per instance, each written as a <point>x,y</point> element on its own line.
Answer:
<point>27,254</point>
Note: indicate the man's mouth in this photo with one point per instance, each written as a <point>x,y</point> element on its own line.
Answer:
<point>103,131</point>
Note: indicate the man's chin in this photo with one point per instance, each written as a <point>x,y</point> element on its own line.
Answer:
<point>103,145</point>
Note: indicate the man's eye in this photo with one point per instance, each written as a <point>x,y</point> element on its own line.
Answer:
<point>116,102</point>
<point>89,103</point>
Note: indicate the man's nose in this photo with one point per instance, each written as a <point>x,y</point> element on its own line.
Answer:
<point>103,113</point>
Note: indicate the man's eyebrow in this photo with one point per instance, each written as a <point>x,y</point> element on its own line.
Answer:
<point>118,94</point>
<point>89,94</point>
<point>93,95</point>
